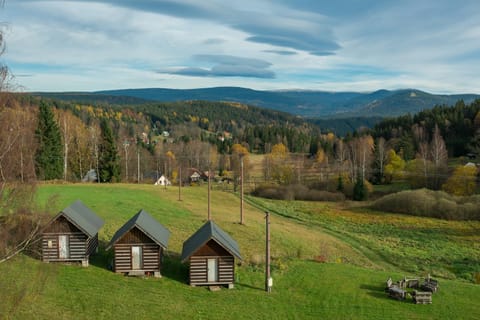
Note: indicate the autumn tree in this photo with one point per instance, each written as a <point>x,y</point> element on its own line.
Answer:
<point>20,223</point>
<point>394,167</point>
<point>75,145</point>
<point>360,156</point>
<point>49,155</point>
<point>462,182</point>
<point>380,154</point>
<point>279,166</point>
<point>439,157</point>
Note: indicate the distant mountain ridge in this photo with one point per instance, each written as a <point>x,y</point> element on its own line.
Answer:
<point>311,104</point>
<point>308,103</point>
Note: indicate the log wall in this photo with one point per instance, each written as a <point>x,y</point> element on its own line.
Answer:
<point>151,257</point>
<point>199,270</point>
<point>77,247</point>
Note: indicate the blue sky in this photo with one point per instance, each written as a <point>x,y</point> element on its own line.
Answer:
<point>356,45</point>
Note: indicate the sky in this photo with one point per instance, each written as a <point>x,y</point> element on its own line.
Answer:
<point>341,45</point>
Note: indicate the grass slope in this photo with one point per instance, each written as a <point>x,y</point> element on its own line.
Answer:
<point>303,289</point>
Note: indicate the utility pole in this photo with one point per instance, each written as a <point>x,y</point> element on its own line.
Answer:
<point>268,278</point>
<point>241,189</point>
<point>165,175</point>
<point>180,183</point>
<point>126,144</point>
<point>209,216</point>
<point>138,164</point>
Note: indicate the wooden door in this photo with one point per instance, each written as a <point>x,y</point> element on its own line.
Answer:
<point>136,258</point>
<point>212,270</point>
<point>63,247</point>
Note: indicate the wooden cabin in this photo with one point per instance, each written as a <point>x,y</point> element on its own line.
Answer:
<point>72,235</point>
<point>139,245</point>
<point>211,253</point>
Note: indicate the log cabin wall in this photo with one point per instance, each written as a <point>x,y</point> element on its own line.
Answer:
<point>151,252</point>
<point>199,264</point>
<point>76,241</point>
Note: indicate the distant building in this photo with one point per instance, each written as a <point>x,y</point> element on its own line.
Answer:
<point>72,235</point>
<point>163,181</point>
<point>90,176</point>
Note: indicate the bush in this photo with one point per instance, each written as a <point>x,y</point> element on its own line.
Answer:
<point>360,191</point>
<point>428,203</point>
<point>296,192</point>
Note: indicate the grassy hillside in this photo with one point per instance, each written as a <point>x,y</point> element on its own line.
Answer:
<point>349,286</point>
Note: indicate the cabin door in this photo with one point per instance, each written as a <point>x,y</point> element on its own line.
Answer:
<point>212,270</point>
<point>136,258</point>
<point>63,248</point>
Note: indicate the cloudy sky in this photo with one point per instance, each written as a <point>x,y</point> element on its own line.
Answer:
<point>359,45</point>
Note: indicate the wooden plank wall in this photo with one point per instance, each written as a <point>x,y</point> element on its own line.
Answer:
<point>77,243</point>
<point>151,257</point>
<point>199,272</point>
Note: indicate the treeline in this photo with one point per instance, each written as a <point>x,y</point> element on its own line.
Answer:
<point>414,150</point>
<point>65,140</point>
<point>135,143</point>
<point>459,125</point>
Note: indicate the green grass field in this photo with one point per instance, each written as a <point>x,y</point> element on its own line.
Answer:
<point>362,250</point>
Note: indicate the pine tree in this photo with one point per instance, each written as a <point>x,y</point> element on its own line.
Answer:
<point>49,155</point>
<point>108,162</point>
<point>360,191</point>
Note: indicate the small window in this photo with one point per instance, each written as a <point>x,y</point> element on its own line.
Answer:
<point>50,243</point>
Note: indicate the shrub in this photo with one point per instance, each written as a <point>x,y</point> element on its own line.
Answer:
<point>296,192</point>
<point>428,203</point>
<point>360,191</point>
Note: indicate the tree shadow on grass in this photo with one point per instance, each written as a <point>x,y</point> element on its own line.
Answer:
<point>102,259</point>
<point>375,291</point>
<point>173,268</point>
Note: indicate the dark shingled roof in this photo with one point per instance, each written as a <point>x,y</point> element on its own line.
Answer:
<point>148,225</point>
<point>209,231</point>
<point>82,217</point>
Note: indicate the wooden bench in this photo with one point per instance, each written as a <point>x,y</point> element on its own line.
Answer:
<point>394,291</point>
<point>430,285</point>
<point>397,293</point>
<point>421,297</point>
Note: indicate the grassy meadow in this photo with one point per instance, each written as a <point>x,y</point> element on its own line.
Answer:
<point>361,249</point>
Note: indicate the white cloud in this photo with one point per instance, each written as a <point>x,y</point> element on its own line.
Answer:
<point>90,45</point>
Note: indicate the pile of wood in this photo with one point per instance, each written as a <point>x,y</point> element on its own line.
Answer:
<point>399,291</point>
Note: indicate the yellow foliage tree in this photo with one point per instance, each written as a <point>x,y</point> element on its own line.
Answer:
<point>277,166</point>
<point>395,166</point>
<point>320,156</point>
<point>462,182</point>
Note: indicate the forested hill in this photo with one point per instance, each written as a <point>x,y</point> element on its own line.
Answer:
<point>185,121</point>
<point>459,125</point>
<point>298,102</point>
<point>310,103</point>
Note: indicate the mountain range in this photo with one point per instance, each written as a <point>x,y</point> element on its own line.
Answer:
<point>309,104</point>
<point>380,103</point>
